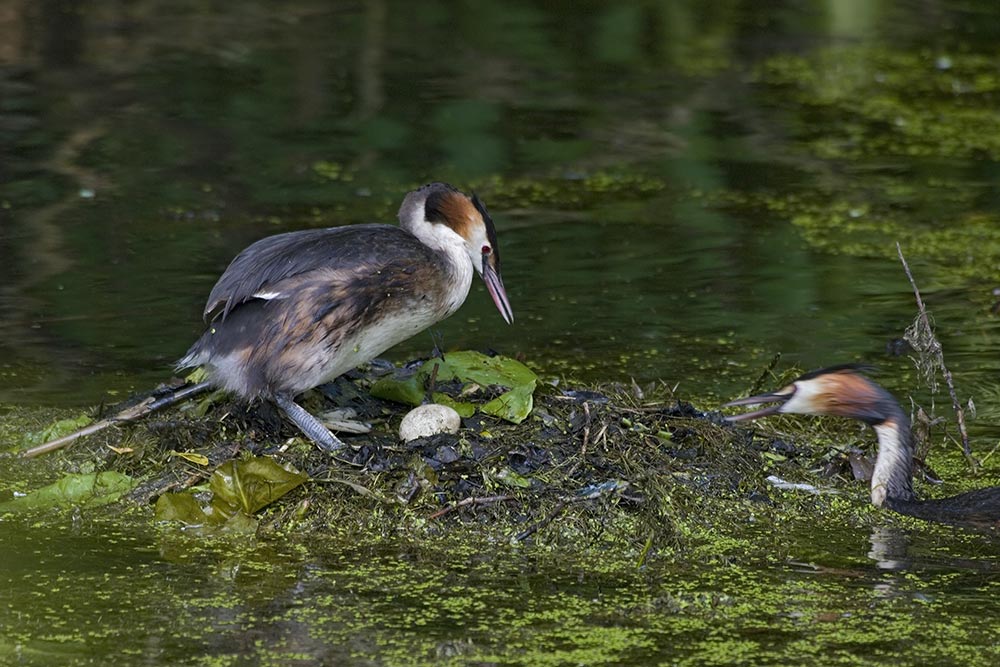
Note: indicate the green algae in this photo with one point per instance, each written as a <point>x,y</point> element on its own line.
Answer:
<point>593,188</point>
<point>962,249</point>
<point>869,101</point>
<point>859,112</point>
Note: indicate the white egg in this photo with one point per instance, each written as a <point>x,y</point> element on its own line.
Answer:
<point>427,420</point>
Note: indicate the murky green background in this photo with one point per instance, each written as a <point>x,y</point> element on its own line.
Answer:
<point>682,190</point>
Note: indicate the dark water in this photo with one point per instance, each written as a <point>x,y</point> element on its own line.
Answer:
<point>682,190</point>
<point>625,153</point>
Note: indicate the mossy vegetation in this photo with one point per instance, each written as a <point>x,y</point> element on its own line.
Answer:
<point>901,143</point>
<point>869,101</point>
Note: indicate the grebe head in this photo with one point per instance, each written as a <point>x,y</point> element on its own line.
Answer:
<point>839,391</point>
<point>440,216</point>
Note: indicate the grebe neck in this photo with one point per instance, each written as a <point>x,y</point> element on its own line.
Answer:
<point>893,474</point>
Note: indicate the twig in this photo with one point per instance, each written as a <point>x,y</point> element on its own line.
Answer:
<point>432,382</point>
<point>131,414</point>
<point>534,528</point>
<point>586,439</point>
<point>602,435</point>
<point>594,492</point>
<point>465,502</point>
<point>934,347</point>
<point>764,374</point>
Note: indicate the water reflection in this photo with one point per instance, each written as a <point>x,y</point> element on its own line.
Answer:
<point>890,547</point>
<point>934,547</point>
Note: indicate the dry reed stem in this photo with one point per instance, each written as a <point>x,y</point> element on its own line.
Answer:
<point>921,336</point>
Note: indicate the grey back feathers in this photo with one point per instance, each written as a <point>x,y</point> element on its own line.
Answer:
<point>287,304</point>
<point>276,258</point>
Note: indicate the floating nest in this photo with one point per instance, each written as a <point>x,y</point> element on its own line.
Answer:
<point>607,463</point>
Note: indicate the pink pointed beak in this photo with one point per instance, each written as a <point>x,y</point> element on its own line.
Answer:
<point>771,397</point>
<point>494,285</point>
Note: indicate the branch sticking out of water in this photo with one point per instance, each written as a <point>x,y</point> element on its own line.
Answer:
<point>134,413</point>
<point>930,357</point>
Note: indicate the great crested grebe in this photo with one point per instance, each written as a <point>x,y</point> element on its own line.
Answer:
<point>842,391</point>
<point>296,310</point>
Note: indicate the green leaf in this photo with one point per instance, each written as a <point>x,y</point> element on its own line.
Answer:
<point>181,507</point>
<point>468,368</point>
<point>184,507</point>
<point>191,457</point>
<point>477,367</point>
<point>514,406</point>
<point>463,408</point>
<point>239,489</point>
<point>253,483</point>
<point>56,430</point>
<point>406,389</point>
<point>509,478</point>
<point>240,523</point>
<point>88,490</point>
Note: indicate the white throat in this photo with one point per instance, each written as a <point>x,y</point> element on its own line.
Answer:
<point>803,401</point>
<point>892,461</point>
<point>452,248</point>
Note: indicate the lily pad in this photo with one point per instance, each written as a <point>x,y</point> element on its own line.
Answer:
<point>239,489</point>
<point>468,368</point>
<point>88,490</point>
<point>181,507</point>
<point>252,484</point>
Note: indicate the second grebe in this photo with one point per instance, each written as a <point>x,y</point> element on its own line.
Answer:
<point>842,391</point>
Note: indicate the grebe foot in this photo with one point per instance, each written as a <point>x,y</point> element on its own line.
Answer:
<point>309,425</point>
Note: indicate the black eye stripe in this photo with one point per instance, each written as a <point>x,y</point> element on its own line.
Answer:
<point>435,200</point>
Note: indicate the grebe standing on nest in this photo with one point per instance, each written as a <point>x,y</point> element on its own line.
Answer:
<point>296,310</point>
<point>841,391</point>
